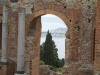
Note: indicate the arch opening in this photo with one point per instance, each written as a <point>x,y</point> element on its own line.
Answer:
<point>54,26</point>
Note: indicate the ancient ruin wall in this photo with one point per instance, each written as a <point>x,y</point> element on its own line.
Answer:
<point>97,40</point>
<point>79,15</point>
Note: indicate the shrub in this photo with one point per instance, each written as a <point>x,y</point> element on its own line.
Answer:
<point>58,69</point>
<point>42,62</point>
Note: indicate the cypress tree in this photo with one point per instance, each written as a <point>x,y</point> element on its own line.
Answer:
<point>48,49</point>
<point>42,51</point>
<point>49,53</point>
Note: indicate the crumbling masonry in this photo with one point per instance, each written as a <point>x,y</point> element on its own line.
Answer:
<point>20,31</point>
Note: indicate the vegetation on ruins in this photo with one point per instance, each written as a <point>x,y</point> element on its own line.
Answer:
<point>49,55</point>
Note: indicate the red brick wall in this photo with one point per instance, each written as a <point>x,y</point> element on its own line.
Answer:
<point>97,38</point>
<point>70,15</point>
<point>11,69</point>
<point>7,69</point>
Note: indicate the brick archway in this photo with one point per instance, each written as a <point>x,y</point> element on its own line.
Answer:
<point>71,21</point>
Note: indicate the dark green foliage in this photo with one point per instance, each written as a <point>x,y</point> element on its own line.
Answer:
<point>61,62</point>
<point>42,52</point>
<point>49,53</point>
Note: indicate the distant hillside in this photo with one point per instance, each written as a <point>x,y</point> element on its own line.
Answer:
<point>60,32</point>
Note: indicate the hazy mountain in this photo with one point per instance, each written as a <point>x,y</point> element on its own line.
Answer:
<point>60,32</point>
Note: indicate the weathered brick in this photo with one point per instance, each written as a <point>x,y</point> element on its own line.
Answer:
<point>78,16</point>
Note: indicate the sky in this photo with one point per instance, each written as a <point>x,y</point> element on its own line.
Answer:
<point>52,22</point>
